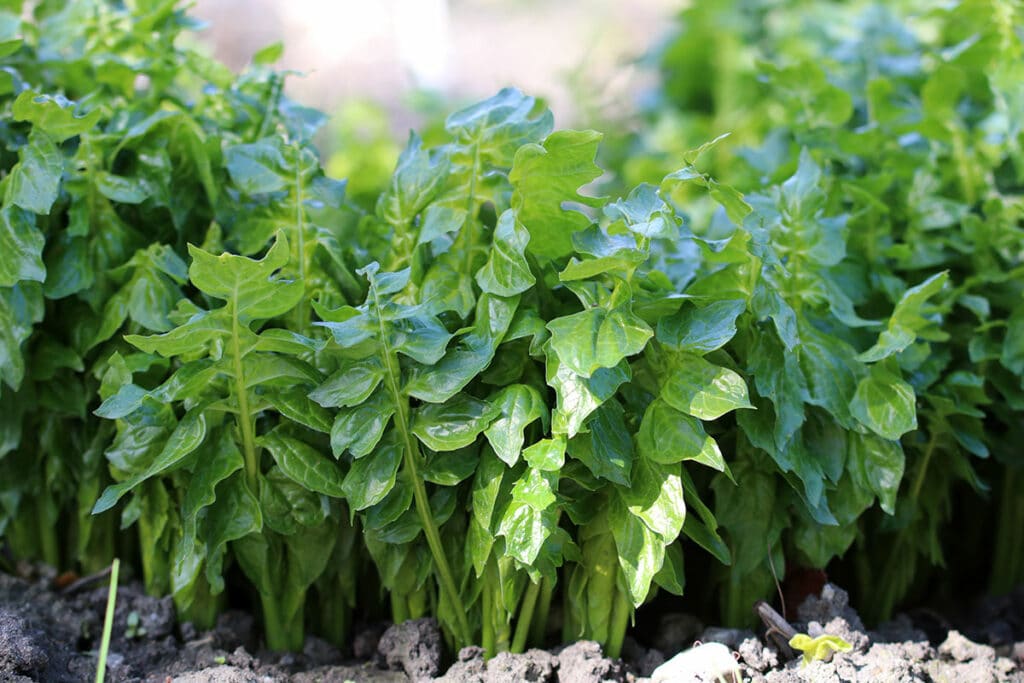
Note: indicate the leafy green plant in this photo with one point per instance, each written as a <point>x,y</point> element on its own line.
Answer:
<point>482,389</point>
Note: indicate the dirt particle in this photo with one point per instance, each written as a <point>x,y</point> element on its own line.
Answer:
<point>413,647</point>
<point>583,662</point>
<point>22,649</point>
<point>533,666</point>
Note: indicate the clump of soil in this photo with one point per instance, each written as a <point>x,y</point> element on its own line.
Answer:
<point>50,636</point>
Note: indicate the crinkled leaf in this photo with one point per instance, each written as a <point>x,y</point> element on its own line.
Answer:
<point>21,247</point>
<point>506,272</point>
<point>35,181</point>
<point>544,177</point>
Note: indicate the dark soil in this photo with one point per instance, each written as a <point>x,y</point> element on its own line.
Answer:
<point>51,635</point>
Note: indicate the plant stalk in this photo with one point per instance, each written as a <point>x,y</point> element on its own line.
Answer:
<point>621,610</point>
<point>244,418</point>
<point>539,627</point>
<point>525,618</point>
<point>108,622</point>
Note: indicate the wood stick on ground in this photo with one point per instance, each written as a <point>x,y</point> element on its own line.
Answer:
<point>779,630</point>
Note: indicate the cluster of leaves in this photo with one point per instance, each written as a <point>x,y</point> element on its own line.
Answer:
<point>493,390</point>
<point>121,149</point>
<point>909,112</point>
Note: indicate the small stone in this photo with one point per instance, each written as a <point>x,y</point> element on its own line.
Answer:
<point>959,648</point>
<point>755,655</point>
<point>584,662</point>
<point>414,647</point>
<point>533,666</point>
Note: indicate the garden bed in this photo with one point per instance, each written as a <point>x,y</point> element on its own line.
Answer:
<point>49,634</point>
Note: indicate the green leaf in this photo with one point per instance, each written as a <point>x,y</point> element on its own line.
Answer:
<point>222,461</point>
<point>544,177</point>
<point>641,551</point>
<point>34,182</point>
<point>21,247</point>
<point>185,439</point>
<point>536,489</point>
<point>418,177</point>
<point>706,391</point>
<point>1012,353</point>
<point>909,321</point>
<point>298,407</point>
<point>578,397</point>
<point>358,429</point>
<point>56,116</point>
<point>655,495</point>
<point>470,356</point>
<point>818,648</point>
<point>249,285</point>
<point>506,272</point>
<point>303,464</point>
<point>876,465</point>
<point>668,436</point>
<point>121,189</point>
<point>21,307</point>
<point>266,56</point>
<point>193,337</point>
<point>234,515</point>
<point>258,167</point>
<point>371,478</point>
<point>351,384</point>
<point>607,450</point>
<point>597,338</point>
<point>885,404</point>
<point>645,213</point>
<point>525,529</point>
<point>452,425</point>
<point>547,454</point>
<point>519,405</point>
<point>701,330</point>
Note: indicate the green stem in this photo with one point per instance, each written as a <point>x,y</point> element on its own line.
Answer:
<point>466,236</point>
<point>280,636</point>
<point>539,628</point>
<point>411,456</point>
<point>487,614</point>
<point>1008,561</point>
<point>243,417</point>
<point>399,608</point>
<point>47,534</point>
<point>419,605</point>
<point>301,311</point>
<point>621,611</point>
<point>273,101</point>
<point>108,622</point>
<point>525,618</point>
<point>915,489</point>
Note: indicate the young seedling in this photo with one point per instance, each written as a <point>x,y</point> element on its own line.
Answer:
<point>108,623</point>
<point>819,648</point>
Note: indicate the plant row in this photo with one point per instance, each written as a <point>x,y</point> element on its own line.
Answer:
<point>493,396</point>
